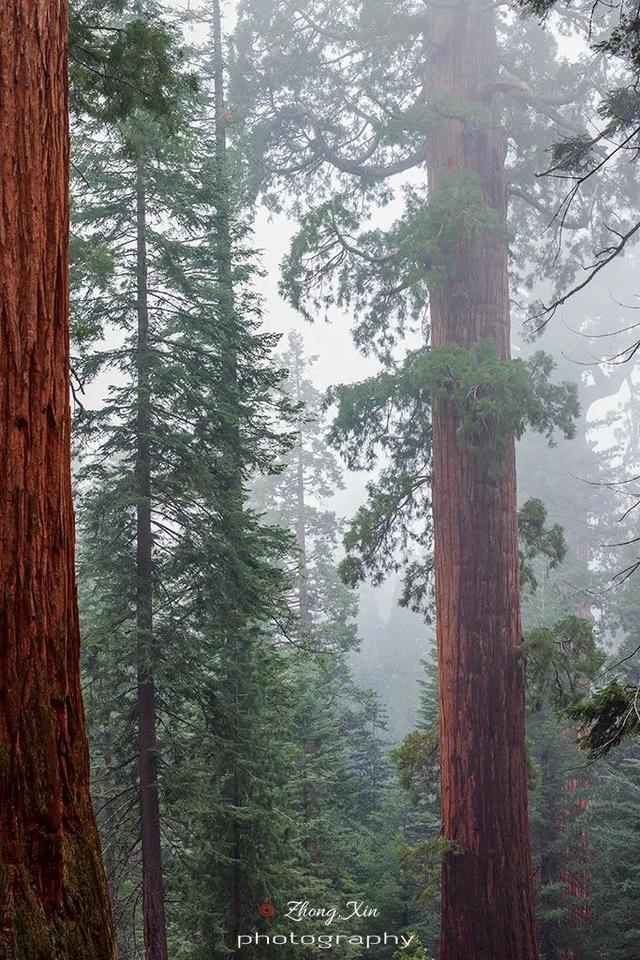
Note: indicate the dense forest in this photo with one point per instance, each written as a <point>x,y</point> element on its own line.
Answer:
<point>319,432</point>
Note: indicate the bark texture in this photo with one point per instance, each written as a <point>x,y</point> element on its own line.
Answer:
<point>54,903</point>
<point>488,901</point>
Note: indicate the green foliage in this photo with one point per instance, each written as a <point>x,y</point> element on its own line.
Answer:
<point>623,40</point>
<point>387,419</point>
<point>559,845</point>
<point>127,58</point>
<point>457,209</point>
<point>217,417</point>
<point>417,761</point>
<point>573,154</point>
<point>496,400</point>
<point>620,109</point>
<point>319,272</point>
<point>613,826</point>
<point>338,794</point>
<point>561,661</point>
<point>608,717</point>
<point>415,950</point>
<point>424,861</point>
<point>538,541</point>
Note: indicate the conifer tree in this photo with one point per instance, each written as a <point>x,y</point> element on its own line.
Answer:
<point>589,157</point>
<point>351,99</point>
<point>342,773</point>
<point>611,825</point>
<point>249,851</point>
<point>598,517</point>
<point>162,270</point>
<point>136,127</point>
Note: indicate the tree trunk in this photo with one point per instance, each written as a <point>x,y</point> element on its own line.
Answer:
<point>301,525</point>
<point>487,899</point>
<point>53,893</point>
<point>231,499</point>
<point>155,935</point>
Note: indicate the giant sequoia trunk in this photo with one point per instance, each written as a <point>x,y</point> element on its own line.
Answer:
<point>155,935</point>
<point>54,903</point>
<point>487,900</point>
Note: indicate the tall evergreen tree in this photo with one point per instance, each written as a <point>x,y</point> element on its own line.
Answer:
<point>611,825</point>
<point>295,499</point>
<point>351,99</point>
<point>137,127</point>
<point>338,726</point>
<point>250,846</point>
<point>162,280</point>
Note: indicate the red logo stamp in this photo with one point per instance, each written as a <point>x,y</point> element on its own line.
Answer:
<point>267,910</point>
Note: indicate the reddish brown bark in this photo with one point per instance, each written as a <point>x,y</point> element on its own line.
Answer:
<point>576,880</point>
<point>487,901</point>
<point>53,894</point>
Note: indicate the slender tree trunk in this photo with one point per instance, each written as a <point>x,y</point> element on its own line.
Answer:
<point>54,903</point>
<point>231,505</point>
<point>223,205</point>
<point>238,898</point>
<point>487,900</point>
<point>155,934</point>
<point>301,526</point>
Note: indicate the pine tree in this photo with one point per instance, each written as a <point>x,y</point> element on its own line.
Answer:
<point>137,130</point>
<point>249,856</point>
<point>52,885</point>
<point>560,662</point>
<point>611,820</point>
<point>294,499</point>
<point>342,773</point>
<point>163,269</point>
<point>417,762</point>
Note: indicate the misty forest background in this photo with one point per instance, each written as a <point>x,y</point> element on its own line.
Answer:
<point>262,636</point>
